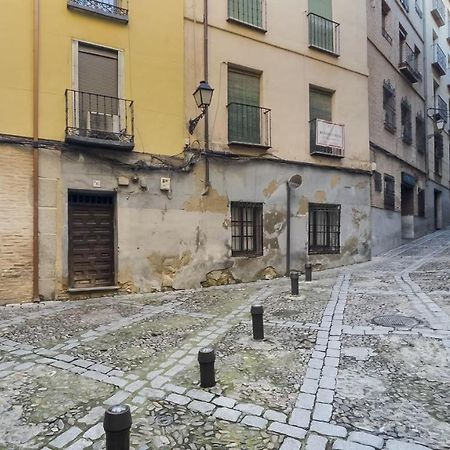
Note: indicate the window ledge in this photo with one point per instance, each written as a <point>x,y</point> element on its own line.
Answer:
<point>247,25</point>
<point>248,144</point>
<point>92,289</point>
<point>324,50</point>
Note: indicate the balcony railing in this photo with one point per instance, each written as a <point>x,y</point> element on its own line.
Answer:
<point>113,9</point>
<point>99,120</point>
<point>251,13</point>
<point>316,149</point>
<point>409,64</point>
<point>324,34</point>
<point>440,107</point>
<point>438,12</point>
<point>439,60</point>
<point>249,125</point>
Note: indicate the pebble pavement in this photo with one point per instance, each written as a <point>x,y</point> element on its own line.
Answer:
<point>359,360</point>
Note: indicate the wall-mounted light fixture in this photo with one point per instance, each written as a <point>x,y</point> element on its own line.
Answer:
<point>203,96</point>
<point>439,117</point>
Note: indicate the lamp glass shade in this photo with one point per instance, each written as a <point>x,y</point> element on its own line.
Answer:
<point>203,94</point>
<point>440,124</point>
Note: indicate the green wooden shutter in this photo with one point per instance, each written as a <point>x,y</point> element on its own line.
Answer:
<point>243,111</point>
<point>248,11</point>
<point>322,8</point>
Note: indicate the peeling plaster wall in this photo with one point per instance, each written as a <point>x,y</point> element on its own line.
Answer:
<point>181,239</point>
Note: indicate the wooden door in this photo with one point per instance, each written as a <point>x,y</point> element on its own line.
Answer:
<point>91,240</point>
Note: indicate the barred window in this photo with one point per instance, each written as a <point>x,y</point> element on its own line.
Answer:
<point>421,203</point>
<point>246,229</point>
<point>377,181</point>
<point>324,228</point>
<point>389,107</point>
<point>389,192</point>
<point>421,138</point>
<point>249,12</point>
<point>406,122</point>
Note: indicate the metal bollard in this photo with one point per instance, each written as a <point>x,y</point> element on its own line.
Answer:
<point>294,282</point>
<point>308,272</point>
<point>257,312</point>
<point>117,424</point>
<point>206,358</point>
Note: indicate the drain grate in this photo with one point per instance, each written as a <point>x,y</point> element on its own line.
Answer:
<point>395,321</point>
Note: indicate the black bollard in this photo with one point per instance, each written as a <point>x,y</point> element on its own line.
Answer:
<point>294,282</point>
<point>308,272</point>
<point>117,424</point>
<point>206,358</point>
<point>257,312</point>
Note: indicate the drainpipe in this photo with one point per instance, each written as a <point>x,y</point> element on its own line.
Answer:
<point>206,76</point>
<point>36,151</point>
<point>288,229</point>
<point>425,83</point>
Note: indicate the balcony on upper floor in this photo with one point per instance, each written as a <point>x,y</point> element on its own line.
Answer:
<point>441,108</point>
<point>326,138</point>
<point>99,120</point>
<point>409,64</point>
<point>324,34</point>
<point>438,12</point>
<point>249,125</point>
<point>110,9</point>
<point>439,62</point>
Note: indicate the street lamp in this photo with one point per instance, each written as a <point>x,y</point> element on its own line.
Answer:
<point>203,96</point>
<point>439,117</point>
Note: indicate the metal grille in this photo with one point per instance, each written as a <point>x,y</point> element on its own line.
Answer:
<point>395,321</point>
<point>110,7</point>
<point>406,122</point>
<point>377,181</point>
<point>421,138</point>
<point>324,228</point>
<point>246,229</point>
<point>389,192</point>
<point>389,108</point>
<point>324,34</point>
<point>439,59</point>
<point>315,149</point>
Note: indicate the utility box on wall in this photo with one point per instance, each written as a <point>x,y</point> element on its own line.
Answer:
<point>164,184</point>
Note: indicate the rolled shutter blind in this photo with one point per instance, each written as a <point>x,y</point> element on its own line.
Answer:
<point>319,105</point>
<point>322,8</point>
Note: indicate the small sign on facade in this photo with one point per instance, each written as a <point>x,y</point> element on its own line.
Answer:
<point>96,183</point>
<point>329,134</point>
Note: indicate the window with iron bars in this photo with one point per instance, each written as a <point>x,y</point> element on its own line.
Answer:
<point>248,12</point>
<point>324,228</point>
<point>246,229</point>
<point>389,107</point>
<point>389,192</point>
<point>421,138</point>
<point>406,122</point>
<point>377,181</point>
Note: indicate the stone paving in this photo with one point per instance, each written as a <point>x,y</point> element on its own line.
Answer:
<point>359,360</point>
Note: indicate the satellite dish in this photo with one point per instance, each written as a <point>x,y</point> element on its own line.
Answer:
<point>295,181</point>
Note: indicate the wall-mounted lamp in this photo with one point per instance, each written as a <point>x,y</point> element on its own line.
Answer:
<point>439,117</point>
<point>203,96</point>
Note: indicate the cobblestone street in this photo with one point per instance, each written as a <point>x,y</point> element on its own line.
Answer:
<point>359,360</point>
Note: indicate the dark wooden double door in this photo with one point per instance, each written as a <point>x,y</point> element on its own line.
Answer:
<point>91,240</point>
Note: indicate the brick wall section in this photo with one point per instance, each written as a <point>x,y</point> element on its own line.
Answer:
<point>16,224</point>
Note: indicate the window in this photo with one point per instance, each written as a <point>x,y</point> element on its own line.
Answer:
<point>405,4</point>
<point>406,122</point>
<point>377,181</point>
<point>249,12</point>
<point>389,107</point>
<point>389,192</point>
<point>324,228</point>
<point>419,10</point>
<point>438,153</point>
<point>384,15</point>
<point>421,139</point>
<point>421,203</point>
<point>323,32</point>
<point>244,116</point>
<point>246,229</point>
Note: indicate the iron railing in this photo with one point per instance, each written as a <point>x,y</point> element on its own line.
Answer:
<point>249,125</point>
<point>101,120</point>
<point>324,229</point>
<point>441,108</point>
<point>315,149</point>
<point>409,64</point>
<point>439,60</point>
<point>324,34</point>
<point>438,12</point>
<point>252,13</point>
<point>116,9</point>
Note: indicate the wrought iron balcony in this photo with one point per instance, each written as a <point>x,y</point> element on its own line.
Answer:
<point>438,12</point>
<point>249,125</point>
<point>409,64</point>
<point>439,61</point>
<point>324,34</point>
<point>316,149</point>
<point>113,9</point>
<point>99,120</point>
<point>251,13</point>
<point>441,108</point>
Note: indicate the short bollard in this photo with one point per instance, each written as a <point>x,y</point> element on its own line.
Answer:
<point>206,358</point>
<point>294,282</point>
<point>308,272</point>
<point>117,424</point>
<point>257,312</point>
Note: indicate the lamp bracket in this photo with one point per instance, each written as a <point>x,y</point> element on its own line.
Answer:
<point>194,122</point>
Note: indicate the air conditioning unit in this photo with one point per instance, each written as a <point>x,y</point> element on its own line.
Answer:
<point>103,122</point>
